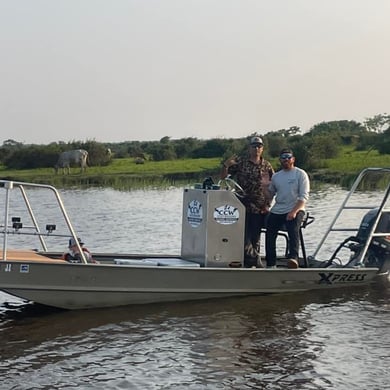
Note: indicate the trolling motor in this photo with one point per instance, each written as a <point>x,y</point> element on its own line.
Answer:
<point>378,252</point>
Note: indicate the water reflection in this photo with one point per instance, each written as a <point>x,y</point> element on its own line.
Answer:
<point>307,340</point>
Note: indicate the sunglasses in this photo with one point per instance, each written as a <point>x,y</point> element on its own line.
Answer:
<point>257,146</point>
<point>286,156</point>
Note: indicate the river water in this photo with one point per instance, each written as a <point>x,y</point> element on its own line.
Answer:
<point>312,340</point>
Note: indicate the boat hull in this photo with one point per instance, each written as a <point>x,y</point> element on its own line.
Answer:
<point>82,286</point>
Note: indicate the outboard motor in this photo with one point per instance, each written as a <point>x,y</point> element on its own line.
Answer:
<point>378,253</point>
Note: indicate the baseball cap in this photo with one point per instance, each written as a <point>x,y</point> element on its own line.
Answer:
<point>286,151</point>
<point>256,140</point>
<point>72,242</point>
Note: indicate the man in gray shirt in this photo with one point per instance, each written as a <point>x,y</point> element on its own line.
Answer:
<point>291,187</point>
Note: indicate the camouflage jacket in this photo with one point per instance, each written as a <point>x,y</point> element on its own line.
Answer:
<point>254,180</point>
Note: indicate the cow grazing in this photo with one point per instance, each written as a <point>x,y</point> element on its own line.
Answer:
<point>72,157</point>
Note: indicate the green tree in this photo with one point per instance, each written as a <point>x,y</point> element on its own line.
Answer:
<point>161,151</point>
<point>31,157</point>
<point>378,123</point>
<point>185,147</point>
<point>324,147</point>
<point>383,142</point>
<point>9,146</point>
<point>276,141</point>
<point>214,147</point>
<point>98,154</point>
<point>337,128</point>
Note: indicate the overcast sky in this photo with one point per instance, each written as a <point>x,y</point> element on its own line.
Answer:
<point>120,70</point>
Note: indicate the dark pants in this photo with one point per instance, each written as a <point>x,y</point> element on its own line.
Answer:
<point>253,225</point>
<point>278,222</point>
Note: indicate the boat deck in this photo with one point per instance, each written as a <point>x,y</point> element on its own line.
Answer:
<point>28,255</point>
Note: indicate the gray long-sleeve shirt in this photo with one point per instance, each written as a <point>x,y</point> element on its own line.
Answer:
<point>289,187</point>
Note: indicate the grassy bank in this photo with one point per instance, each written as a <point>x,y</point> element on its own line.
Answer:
<point>343,169</point>
<point>125,173</point>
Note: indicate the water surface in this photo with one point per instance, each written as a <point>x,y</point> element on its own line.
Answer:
<point>312,340</point>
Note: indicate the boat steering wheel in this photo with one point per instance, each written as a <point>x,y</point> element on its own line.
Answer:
<point>231,185</point>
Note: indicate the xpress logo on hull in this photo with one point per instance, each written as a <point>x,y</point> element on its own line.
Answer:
<point>331,278</point>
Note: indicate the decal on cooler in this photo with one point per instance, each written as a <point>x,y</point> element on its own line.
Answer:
<point>226,215</point>
<point>24,268</point>
<point>194,213</point>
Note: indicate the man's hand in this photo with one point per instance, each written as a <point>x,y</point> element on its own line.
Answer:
<point>231,161</point>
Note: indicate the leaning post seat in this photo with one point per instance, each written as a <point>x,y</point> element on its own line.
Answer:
<point>306,221</point>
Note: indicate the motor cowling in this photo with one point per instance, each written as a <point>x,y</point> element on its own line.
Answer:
<point>382,227</point>
<point>379,250</point>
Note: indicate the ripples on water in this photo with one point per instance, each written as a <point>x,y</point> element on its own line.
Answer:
<point>300,341</point>
<point>312,340</point>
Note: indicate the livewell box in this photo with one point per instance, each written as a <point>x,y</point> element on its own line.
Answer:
<point>213,226</point>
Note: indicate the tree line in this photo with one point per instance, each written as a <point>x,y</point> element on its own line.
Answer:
<point>324,140</point>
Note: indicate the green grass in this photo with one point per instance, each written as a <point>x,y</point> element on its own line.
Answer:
<point>125,173</point>
<point>121,173</point>
<point>354,161</point>
<point>126,166</point>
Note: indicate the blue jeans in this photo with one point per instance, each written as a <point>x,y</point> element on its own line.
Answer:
<point>278,222</point>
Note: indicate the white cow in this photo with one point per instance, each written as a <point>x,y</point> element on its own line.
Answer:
<point>76,157</point>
